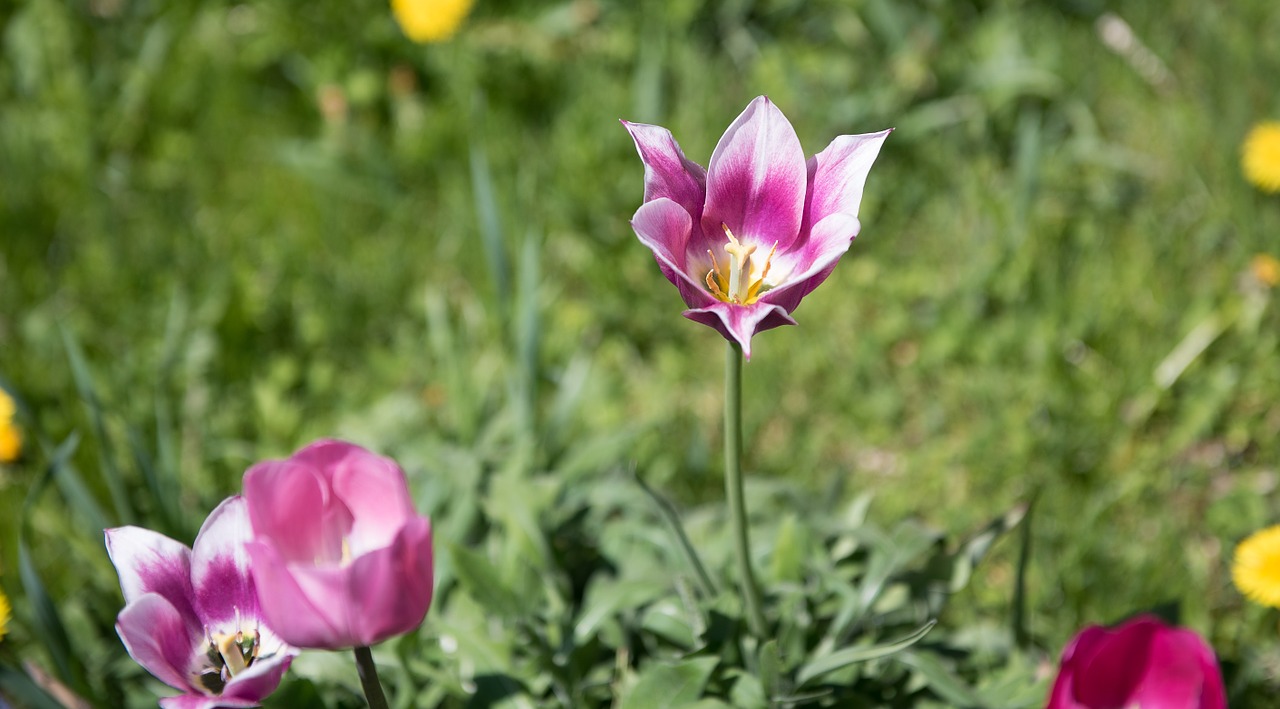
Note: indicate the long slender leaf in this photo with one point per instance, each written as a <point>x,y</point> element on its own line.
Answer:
<point>88,394</point>
<point>849,656</point>
<point>18,685</point>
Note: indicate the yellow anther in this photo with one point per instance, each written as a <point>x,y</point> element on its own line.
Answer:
<point>713,286</point>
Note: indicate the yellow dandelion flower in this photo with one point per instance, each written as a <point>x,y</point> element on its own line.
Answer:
<point>1266,268</point>
<point>1256,570</point>
<point>1261,156</point>
<point>430,20</point>
<point>10,442</point>
<point>4,615</point>
<point>7,407</point>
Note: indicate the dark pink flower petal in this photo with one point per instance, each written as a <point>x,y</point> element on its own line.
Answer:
<point>1142,662</point>
<point>664,227</point>
<point>810,266</point>
<point>667,172</point>
<point>290,610</point>
<point>149,562</point>
<point>290,504</point>
<point>260,680</point>
<point>837,175</point>
<point>220,574</point>
<point>739,322</point>
<point>159,638</point>
<point>756,179</point>
<point>395,583</point>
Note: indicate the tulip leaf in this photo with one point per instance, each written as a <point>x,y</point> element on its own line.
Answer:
<point>852,655</point>
<point>671,686</point>
<point>941,680</point>
<point>482,580</point>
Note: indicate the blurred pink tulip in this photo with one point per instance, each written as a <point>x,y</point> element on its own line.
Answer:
<point>1141,663</point>
<point>340,556</point>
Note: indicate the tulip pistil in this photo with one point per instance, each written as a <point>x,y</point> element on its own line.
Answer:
<point>730,288</point>
<point>225,656</point>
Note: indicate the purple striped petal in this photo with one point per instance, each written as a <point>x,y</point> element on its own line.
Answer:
<point>664,227</point>
<point>826,243</point>
<point>261,679</point>
<point>756,179</point>
<point>149,562</point>
<point>220,567</point>
<point>837,175</point>
<point>739,322</point>
<point>667,172</point>
<point>159,638</point>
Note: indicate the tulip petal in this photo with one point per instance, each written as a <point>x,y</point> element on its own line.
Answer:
<point>159,638</point>
<point>220,567</point>
<point>1179,673</point>
<point>1112,674</point>
<point>150,562</point>
<point>838,174</point>
<point>664,227</point>
<point>395,584</point>
<point>261,679</point>
<point>667,172</point>
<point>289,610</point>
<point>810,266</point>
<point>290,505</point>
<point>204,701</point>
<point>373,489</point>
<point>756,179</point>
<point>737,323</point>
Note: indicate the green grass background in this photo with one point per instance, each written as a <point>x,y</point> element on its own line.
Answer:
<point>1050,297</point>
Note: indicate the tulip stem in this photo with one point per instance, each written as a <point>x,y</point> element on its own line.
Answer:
<point>733,486</point>
<point>369,679</point>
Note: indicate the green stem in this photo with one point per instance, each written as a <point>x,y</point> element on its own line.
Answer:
<point>369,679</point>
<point>733,486</point>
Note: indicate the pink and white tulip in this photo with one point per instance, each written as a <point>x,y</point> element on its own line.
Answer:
<point>1141,663</point>
<point>747,239</point>
<point>191,616</point>
<point>339,554</point>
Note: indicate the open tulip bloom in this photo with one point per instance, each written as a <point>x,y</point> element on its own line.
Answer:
<point>341,558</point>
<point>191,615</point>
<point>747,239</point>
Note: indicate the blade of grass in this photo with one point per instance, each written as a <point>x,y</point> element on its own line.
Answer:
<point>106,453</point>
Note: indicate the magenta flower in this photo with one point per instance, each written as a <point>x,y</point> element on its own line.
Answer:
<point>191,615</point>
<point>1142,663</point>
<point>340,556</point>
<point>746,240</point>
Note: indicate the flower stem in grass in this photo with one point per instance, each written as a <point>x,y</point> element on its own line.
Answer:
<point>369,679</point>
<point>733,486</point>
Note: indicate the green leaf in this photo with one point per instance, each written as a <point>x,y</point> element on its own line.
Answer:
<point>671,686</point>
<point>19,686</point>
<point>852,655</point>
<point>106,457</point>
<point>770,669</point>
<point>482,580</point>
<point>941,680</point>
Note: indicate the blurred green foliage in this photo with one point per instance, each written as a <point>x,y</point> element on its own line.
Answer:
<point>227,229</point>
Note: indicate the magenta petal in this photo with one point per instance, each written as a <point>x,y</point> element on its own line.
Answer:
<point>664,227</point>
<point>756,179</point>
<point>149,562</point>
<point>220,566</point>
<point>838,174</point>
<point>159,638</point>
<point>1181,672</point>
<point>395,584</point>
<point>737,323</point>
<point>374,491</point>
<point>1112,675</point>
<point>290,505</point>
<point>291,612</point>
<point>667,172</point>
<point>204,701</point>
<point>261,679</point>
<point>827,242</point>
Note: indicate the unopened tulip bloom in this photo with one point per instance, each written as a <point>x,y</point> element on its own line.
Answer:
<point>341,558</point>
<point>761,228</point>
<point>191,615</point>
<point>1141,663</point>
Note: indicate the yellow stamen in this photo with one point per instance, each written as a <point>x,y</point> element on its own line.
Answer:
<point>740,272</point>
<point>229,648</point>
